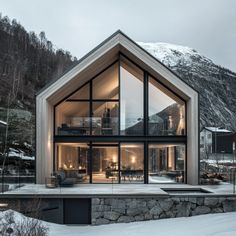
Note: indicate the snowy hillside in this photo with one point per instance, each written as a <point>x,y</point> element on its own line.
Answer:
<point>172,55</point>
<point>215,84</point>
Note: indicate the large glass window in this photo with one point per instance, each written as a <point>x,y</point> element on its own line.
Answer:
<point>105,163</point>
<point>73,159</point>
<point>166,163</point>
<point>131,99</point>
<point>72,118</point>
<point>132,163</point>
<point>166,111</point>
<point>106,85</point>
<point>105,118</point>
<point>112,104</point>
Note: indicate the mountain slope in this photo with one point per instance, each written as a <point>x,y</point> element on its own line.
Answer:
<point>215,84</point>
<point>27,63</point>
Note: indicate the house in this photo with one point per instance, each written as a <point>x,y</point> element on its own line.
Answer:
<point>216,140</point>
<point>118,116</point>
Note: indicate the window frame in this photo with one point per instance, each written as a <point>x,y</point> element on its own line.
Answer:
<point>146,139</point>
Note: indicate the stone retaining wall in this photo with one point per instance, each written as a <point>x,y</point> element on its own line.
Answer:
<point>124,210</point>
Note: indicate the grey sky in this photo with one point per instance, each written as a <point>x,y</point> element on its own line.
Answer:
<point>209,26</point>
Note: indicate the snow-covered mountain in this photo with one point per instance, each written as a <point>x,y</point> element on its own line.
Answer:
<point>216,85</point>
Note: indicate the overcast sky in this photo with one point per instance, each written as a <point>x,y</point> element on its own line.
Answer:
<point>209,26</point>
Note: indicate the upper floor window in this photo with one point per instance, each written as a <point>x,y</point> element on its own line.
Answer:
<point>112,103</point>
<point>166,111</point>
<point>131,99</point>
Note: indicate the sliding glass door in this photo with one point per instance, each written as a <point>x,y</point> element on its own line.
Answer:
<point>74,160</point>
<point>105,163</point>
<point>166,163</point>
<point>132,163</point>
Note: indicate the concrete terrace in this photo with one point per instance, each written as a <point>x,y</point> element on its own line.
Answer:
<point>121,190</point>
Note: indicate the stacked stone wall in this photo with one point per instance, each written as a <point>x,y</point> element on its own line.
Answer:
<point>124,210</point>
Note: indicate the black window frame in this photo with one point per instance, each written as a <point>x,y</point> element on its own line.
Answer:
<point>146,139</point>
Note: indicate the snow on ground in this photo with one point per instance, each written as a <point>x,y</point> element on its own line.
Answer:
<point>212,224</point>
<point>160,179</point>
<point>19,154</point>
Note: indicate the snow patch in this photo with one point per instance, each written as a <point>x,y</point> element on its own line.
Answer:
<point>171,54</point>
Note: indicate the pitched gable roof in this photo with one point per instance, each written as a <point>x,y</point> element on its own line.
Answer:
<point>117,35</point>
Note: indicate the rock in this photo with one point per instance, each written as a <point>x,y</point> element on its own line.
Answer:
<point>192,200</point>
<point>93,222</point>
<point>221,199</point>
<point>229,205</point>
<point>95,201</point>
<point>125,219</point>
<point>200,210</point>
<point>133,204</point>
<point>182,199</point>
<point>156,217</point>
<point>128,200</point>
<point>210,201</point>
<point>170,214</point>
<point>117,203</point>
<point>151,203</point>
<point>163,215</point>
<point>183,209</point>
<point>217,210</point>
<point>156,210</point>
<point>148,216</point>
<point>133,211</point>
<point>97,214</point>
<point>137,203</point>
<point>139,218</point>
<point>119,210</point>
<point>175,199</point>
<point>111,215</point>
<point>106,208</point>
<point>193,206</point>
<point>97,208</point>
<point>108,201</point>
<point>166,204</point>
<point>200,201</point>
<point>102,221</point>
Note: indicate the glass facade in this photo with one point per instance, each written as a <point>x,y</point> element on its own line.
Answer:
<point>114,124</point>
<point>166,163</point>
<point>166,111</point>
<point>72,118</point>
<point>104,164</point>
<point>73,158</point>
<point>132,162</point>
<point>105,118</point>
<point>131,99</point>
<point>106,85</point>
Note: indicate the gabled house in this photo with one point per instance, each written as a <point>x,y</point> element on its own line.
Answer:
<point>118,116</point>
<point>216,140</point>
